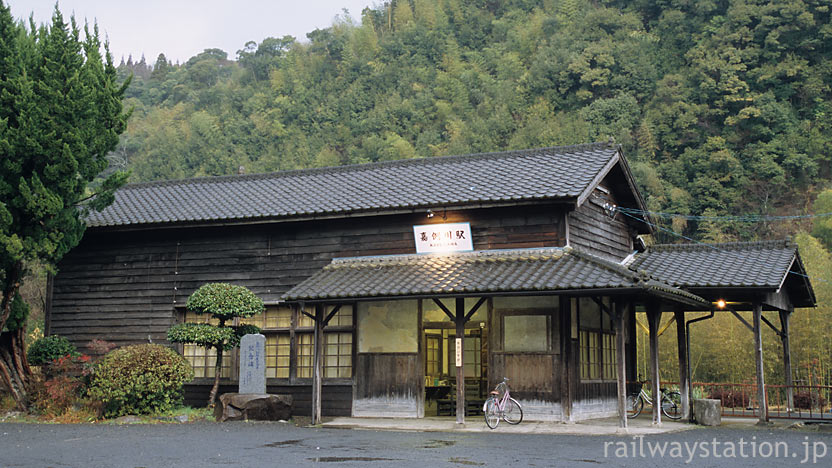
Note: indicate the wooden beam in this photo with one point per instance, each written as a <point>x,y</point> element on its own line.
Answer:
<point>682,349</point>
<point>771,325</point>
<point>661,330</point>
<point>654,317</point>
<point>787,359</point>
<point>566,358</point>
<point>331,314</point>
<point>739,317</point>
<point>474,309</point>
<point>604,308</point>
<point>621,366</point>
<point>779,300</point>
<point>758,355</point>
<point>460,368</point>
<point>318,364</point>
<point>667,325</point>
<point>444,309</point>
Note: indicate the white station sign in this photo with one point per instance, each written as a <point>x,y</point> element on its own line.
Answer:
<point>437,238</point>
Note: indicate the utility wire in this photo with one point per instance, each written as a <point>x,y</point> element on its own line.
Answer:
<point>743,218</point>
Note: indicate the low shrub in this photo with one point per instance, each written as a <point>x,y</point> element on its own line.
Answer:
<point>49,348</point>
<point>64,387</point>
<point>808,400</point>
<point>140,379</point>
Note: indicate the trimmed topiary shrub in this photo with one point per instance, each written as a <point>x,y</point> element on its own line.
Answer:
<point>140,379</point>
<point>223,302</point>
<point>49,348</point>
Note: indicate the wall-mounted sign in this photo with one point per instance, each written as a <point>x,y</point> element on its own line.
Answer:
<point>459,352</point>
<point>434,238</point>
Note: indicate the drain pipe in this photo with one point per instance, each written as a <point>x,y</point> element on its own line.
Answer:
<point>687,350</point>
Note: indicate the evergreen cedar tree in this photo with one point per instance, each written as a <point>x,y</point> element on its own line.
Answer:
<point>222,302</point>
<point>60,114</point>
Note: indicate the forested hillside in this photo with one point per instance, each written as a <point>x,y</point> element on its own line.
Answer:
<point>723,107</point>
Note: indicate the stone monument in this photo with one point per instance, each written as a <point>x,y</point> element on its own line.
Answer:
<point>252,402</point>
<point>253,364</point>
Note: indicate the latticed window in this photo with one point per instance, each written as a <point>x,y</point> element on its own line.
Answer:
<point>306,355</point>
<point>289,343</point>
<point>278,350</point>
<point>596,341</point>
<point>609,371</point>
<point>204,360</point>
<point>338,355</point>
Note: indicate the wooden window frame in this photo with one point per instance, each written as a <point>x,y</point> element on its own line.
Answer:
<point>293,331</point>
<point>329,329</point>
<point>602,368</point>
<point>501,314</point>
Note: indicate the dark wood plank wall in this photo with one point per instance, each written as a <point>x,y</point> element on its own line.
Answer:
<point>387,375</point>
<point>589,391</point>
<point>123,286</point>
<point>532,376</point>
<point>388,385</point>
<point>591,229</point>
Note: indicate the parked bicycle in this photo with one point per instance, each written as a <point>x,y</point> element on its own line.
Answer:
<point>671,405</point>
<point>500,405</point>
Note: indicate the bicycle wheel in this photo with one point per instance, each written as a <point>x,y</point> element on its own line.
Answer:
<point>513,413</point>
<point>634,405</point>
<point>491,413</point>
<point>672,405</point>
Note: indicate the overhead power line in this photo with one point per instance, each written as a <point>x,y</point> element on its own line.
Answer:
<point>741,218</point>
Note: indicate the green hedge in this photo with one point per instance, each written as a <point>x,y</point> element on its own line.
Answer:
<point>48,348</point>
<point>140,379</point>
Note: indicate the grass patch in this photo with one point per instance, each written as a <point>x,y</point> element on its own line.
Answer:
<point>84,415</point>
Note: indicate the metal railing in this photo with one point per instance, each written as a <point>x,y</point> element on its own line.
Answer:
<point>740,399</point>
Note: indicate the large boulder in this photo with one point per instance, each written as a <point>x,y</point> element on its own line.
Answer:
<point>253,406</point>
<point>707,412</point>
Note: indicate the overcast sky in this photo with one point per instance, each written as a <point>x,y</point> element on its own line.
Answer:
<point>183,28</point>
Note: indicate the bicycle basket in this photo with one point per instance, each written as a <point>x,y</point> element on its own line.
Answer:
<point>634,388</point>
<point>501,389</point>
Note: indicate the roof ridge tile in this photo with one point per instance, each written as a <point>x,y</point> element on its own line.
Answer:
<point>744,245</point>
<point>428,160</point>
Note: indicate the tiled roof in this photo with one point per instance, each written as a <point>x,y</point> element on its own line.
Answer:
<point>472,273</point>
<point>751,264</point>
<point>538,174</point>
<point>754,265</point>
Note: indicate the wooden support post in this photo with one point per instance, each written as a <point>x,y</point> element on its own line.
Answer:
<point>317,369</point>
<point>787,358</point>
<point>566,358</point>
<point>460,368</point>
<point>621,367</point>
<point>682,347</point>
<point>758,355</point>
<point>654,317</point>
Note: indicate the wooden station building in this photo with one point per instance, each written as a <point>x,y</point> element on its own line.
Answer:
<point>410,288</point>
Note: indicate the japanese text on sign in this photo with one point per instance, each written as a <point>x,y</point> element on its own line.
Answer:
<point>433,238</point>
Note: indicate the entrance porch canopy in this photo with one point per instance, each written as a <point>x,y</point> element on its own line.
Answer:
<point>481,273</point>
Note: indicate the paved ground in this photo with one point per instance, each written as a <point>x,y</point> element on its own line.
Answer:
<point>284,445</point>
<point>640,426</point>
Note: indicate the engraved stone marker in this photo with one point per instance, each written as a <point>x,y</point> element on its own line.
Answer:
<point>253,364</point>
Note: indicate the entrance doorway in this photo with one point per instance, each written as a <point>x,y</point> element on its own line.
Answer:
<point>439,345</point>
